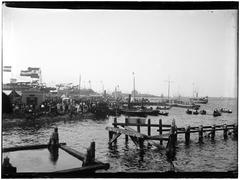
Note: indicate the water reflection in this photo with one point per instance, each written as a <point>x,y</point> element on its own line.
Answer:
<point>113,150</point>
<point>54,153</point>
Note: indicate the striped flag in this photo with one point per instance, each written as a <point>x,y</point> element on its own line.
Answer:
<point>7,68</point>
<point>25,73</point>
<point>34,75</point>
<point>32,72</point>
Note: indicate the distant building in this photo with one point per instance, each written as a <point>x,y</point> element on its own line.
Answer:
<point>117,94</point>
<point>33,97</point>
<point>6,104</point>
<point>14,96</point>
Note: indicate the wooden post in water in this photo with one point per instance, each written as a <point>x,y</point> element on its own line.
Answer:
<point>174,131</point>
<point>200,132</point>
<point>171,143</point>
<point>175,135</point>
<point>115,122</point>
<point>126,136</point>
<point>160,130</point>
<point>93,149</point>
<point>225,130</point>
<point>110,135</point>
<point>235,130</point>
<point>90,156</point>
<point>172,135</point>
<point>141,141</point>
<point>138,125</point>
<point>149,129</point>
<point>213,132</point>
<point>115,125</point>
<point>187,135</point>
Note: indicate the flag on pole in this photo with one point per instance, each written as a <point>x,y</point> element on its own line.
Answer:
<point>32,72</point>
<point>35,76</point>
<point>25,73</point>
<point>7,68</point>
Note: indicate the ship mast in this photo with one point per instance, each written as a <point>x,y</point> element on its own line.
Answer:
<point>133,87</point>
<point>169,82</point>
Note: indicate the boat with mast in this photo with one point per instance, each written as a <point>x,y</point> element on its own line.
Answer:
<point>198,100</point>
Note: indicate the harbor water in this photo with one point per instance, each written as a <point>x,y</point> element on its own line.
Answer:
<point>217,155</point>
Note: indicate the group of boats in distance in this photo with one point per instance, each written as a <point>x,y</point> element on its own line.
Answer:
<point>193,107</point>
<point>140,112</point>
<point>196,112</point>
<point>216,112</point>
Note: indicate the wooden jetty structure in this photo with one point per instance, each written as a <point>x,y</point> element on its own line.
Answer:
<point>139,138</point>
<point>89,163</point>
<point>166,132</point>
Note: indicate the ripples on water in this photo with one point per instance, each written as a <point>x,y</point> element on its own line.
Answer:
<point>213,156</point>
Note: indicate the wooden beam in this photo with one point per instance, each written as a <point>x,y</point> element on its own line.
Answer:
<point>85,168</point>
<point>115,136</point>
<point>135,124</point>
<point>135,140</point>
<point>164,137</point>
<point>28,147</point>
<point>73,152</point>
<point>129,129</point>
<point>126,132</point>
<point>206,130</point>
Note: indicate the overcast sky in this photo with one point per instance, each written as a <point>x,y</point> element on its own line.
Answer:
<point>195,49</point>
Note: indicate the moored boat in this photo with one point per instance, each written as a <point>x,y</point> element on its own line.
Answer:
<point>201,100</point>
<point>188,111</point>
<point>133,112</point>
<point>151,112</point>
<point>163,113</point>
<point>196,112</point>
<point>190,106</point>
<point>216,113</point>
<point>203,112</point>
<point>163,107</point>
<point>225,110</point>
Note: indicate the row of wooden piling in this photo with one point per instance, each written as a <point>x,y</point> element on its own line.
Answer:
<point>174,131</point>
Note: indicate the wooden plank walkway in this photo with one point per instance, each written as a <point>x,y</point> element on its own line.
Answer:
<point>126,132</point>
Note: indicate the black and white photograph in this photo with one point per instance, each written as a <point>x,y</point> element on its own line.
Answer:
<point>114,89</point>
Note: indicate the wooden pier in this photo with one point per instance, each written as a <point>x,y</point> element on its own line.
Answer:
<point>166,132</point>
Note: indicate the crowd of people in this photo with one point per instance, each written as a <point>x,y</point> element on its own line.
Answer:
<point>59,106</point>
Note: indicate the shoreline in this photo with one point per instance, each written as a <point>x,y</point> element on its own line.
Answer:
<point>14,121</point>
